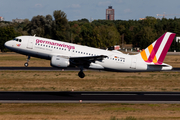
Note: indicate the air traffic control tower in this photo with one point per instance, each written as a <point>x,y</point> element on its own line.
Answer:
<point>110,13</point>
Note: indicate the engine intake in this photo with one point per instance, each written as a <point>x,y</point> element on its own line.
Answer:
<point>58,61</point>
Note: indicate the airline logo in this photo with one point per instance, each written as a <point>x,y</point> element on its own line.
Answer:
<point>18,45</point>
<point>157,51</point>
<point>55,44</point>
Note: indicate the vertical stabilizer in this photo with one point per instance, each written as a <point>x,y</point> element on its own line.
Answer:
<point>157,51</point>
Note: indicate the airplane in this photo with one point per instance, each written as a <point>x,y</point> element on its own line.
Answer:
<point>64,54</point>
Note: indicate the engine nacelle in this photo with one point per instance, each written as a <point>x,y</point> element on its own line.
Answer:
<point>96,66</point>
<point>58,61</point>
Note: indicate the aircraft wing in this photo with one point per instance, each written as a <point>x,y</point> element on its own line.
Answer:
<point>86,60</point>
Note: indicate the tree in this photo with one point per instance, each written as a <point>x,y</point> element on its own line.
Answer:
<point>41,26</point>
<point>61,27</point>
<point>144,38</point>
<point>106,36</point>
<point>6,33</point>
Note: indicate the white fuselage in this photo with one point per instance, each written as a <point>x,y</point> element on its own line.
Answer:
<point>46,48</point>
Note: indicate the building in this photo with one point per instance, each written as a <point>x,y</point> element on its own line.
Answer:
<point>1,18</point>
<point>110,13</point>
<point>17,20</point>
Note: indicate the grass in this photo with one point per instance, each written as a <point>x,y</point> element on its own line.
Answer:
<point>94,81</point>
<point>68,80</point>
<point>17,60</point>
<point>78,111</point>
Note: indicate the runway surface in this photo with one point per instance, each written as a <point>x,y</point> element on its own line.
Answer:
<point>89,97</point>
<point>39,68</point>
<point>85,97</point>
<point>52,69</point>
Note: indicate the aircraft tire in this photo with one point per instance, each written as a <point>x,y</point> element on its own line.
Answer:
<point>81,74</point>
<point>26,64</point>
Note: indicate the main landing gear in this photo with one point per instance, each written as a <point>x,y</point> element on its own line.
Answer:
<point>26,64</point>
<point>81,73</point>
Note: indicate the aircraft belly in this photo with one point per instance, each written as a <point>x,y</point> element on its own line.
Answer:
<point>114,66</point>
<point>33,53</point>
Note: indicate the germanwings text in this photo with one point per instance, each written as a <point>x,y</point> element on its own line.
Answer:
<point>55,44</point>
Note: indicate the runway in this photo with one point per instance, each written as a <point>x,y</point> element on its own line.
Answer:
<point>89,97</point>
<point>39,68</point>
<point>84,97</point>
<point>53,69</point>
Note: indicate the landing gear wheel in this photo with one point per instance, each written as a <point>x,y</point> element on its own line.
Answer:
<point>26,64</point>
<point>81,74</point>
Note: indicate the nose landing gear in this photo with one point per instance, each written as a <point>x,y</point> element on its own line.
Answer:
<point>26,64</point>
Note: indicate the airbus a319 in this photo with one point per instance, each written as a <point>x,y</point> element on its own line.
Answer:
<point>63,54</point>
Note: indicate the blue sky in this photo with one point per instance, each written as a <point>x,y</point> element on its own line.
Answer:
<point>78,9</point>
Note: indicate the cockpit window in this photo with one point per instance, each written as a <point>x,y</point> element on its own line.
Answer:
<point>18,40</point>
<point>15,39</point>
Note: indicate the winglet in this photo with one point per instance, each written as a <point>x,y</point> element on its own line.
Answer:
<point>157,51</point>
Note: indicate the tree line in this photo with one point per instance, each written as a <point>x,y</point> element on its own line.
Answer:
<point>98,33</point>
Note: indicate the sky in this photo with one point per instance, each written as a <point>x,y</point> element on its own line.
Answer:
<point>89,9</point>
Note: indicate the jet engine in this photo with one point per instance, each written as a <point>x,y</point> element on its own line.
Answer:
<point>58,61</point>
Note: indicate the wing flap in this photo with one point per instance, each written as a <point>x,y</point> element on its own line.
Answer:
<point>86,60</point>
<point>100,57</point>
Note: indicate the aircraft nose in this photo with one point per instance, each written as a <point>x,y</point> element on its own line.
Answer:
<point>7,44</point>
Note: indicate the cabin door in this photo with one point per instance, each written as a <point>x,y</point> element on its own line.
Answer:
<point>133,63</point>
<point>30,43</point>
